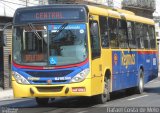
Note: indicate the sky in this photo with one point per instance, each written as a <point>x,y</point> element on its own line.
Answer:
<point>8,7</point>
<point>117,3</point>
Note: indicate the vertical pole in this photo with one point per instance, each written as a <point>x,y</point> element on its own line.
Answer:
<point>26,3</point>
<point>108,3</point>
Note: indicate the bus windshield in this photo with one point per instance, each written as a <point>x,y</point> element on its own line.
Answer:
<point>52,44</point>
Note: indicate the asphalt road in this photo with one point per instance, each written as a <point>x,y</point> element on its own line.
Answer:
<point>121,99</point>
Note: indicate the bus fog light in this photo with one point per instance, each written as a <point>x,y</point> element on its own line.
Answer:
<point>19,78</point>
<point>80,76</point>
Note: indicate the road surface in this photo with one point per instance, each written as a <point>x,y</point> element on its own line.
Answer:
<point>121,99</point>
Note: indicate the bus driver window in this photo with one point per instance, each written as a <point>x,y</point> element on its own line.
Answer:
<point>95,42</point>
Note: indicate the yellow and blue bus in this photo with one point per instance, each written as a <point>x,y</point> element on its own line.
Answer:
<point>81,50</point>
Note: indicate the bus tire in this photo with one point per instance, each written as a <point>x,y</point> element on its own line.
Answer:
<point>103,98</point>
<point>42,101</point>
<point>140,86</point>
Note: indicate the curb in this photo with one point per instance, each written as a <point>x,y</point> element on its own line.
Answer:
<point>6,94</point>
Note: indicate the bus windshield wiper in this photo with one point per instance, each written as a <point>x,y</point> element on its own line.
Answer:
<point>34,30</point>
<point>63,26</point>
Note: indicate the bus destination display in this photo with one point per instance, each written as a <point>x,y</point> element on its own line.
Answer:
<point>50,15</point>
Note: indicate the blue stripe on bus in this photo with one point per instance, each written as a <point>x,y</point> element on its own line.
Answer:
<point>43,80</point>
<point>126,66</point>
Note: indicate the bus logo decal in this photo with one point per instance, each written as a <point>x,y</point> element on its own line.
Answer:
<point>81,31</point>
<point>128,59</point>
<point>49,81</point>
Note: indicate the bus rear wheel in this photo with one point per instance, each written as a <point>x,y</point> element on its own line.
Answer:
<point>42,101</point>
<point>103,98</point>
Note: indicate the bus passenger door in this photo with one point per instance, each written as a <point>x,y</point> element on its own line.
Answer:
<point>96,68</point>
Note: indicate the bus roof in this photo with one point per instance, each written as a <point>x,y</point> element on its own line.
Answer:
<point>97,10</point>
<point>51,13</point>
<point>117,13</point>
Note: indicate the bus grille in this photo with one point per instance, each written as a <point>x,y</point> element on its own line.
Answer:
<point>49,74</point>
<point>50,89</point>
<point>45,82</point>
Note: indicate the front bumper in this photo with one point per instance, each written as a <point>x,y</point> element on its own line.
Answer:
<point>24,91</point>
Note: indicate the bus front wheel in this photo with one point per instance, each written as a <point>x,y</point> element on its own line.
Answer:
<point>42,101</point>
<point>102,98</point>
<point>140,86</point>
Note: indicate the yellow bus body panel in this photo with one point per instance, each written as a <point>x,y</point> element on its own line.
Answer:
<point>22,91</point>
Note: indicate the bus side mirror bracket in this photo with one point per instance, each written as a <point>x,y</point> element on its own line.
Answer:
<point>4,37</point>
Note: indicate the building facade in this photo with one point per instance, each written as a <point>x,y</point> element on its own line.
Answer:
<point>157,30</point>
<point>104,2</point>
<point>5,52</point>
<point>7,9</point>
<point>143,8</point>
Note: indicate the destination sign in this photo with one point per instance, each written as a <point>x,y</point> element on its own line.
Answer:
<point>49,15</point>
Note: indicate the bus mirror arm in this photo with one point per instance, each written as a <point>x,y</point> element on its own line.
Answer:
<point>4,37</point>
<point>130,48</point>
<point>128,39</point>
<point>4,40</point>
<point>91,17</point>
<point>128,44</point>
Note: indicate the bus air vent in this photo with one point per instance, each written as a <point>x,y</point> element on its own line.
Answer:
<point>50,89</point>
<point>49,73</point>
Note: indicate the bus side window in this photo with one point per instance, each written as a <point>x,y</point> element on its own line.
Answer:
<point>131,35</point>
<point>104,31</point>
<point>139,35</point>
<point>95,41</point>
<point>122,33</point>
<point>152,36</point>
<point>146,39</point>
<point>113,37</point>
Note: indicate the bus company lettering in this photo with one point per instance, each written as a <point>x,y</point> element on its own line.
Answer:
<point>128,59</point>
<point>49,15</point>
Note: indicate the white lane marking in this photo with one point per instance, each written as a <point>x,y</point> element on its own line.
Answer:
<point>137,97</point>
<point>82,112</point>
<point>154,82</point>
<point>103,105</point>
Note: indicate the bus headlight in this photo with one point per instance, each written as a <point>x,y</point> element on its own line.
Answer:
<point>80,76</point>
<point>19,78</point>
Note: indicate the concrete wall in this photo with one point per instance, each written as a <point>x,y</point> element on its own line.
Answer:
<point>143,8</point>
<point>112,3</point>
<point>146,4</point>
